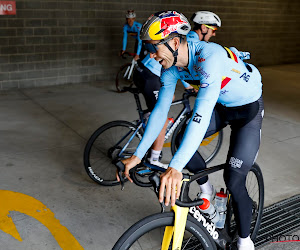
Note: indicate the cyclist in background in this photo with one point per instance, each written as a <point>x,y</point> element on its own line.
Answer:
<point>231,94</point>
<point>132,28</point>
<point>206,23</point>
<point>147,75</point>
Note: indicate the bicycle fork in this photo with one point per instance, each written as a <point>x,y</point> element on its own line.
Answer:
<point>177,231</point>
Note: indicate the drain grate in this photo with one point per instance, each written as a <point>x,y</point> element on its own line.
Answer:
<point>278,220</point>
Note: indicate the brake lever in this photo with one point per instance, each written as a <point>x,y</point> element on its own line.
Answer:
<point>155,180</point>
<point>121,168</point>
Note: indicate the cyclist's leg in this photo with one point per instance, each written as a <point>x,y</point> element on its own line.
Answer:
<point>243,150</point>
<point>151,90</point>
<point>197,162</point>
<point>149,84</point>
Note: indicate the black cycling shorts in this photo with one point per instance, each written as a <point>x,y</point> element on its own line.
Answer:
<point>245,122</point>
<point>148,83</point>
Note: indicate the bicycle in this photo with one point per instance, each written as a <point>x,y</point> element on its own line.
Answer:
<point>185,227</point>
<point>119,139</point>
<point>124,77</point>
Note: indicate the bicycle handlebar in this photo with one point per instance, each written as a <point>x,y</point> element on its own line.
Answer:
<point>155,181</point>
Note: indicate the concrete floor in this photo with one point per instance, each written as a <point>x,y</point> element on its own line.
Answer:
<point>52,202</point>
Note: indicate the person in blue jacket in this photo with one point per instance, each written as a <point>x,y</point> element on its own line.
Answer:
<point>132,28</point>
<point>206,24</point>
<point>230,94</point>
<point>147,75</point>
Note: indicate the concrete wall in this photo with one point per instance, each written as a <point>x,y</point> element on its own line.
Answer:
<point>72,41</point>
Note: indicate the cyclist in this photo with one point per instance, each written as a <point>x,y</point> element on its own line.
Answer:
<point>206,23</point>
<point>132,28</point>
<point>231,93</point>
<point>147,76</point>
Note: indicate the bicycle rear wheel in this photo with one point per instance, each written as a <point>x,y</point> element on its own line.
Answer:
<point>105,145</point>
<point>122,79</point>
<point>147,234</point>
<point>255,188</point>
<point>209,147</point>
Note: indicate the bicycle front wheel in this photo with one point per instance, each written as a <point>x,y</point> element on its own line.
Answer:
<point>255,188</point>
<point>209,147</point>
<point>124,78</point>
<point>106,144</point>
<point>147,234</point>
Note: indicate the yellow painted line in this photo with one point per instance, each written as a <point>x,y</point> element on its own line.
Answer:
<point>13,201</point>
<point>205,141</point>
<point>209,139</point>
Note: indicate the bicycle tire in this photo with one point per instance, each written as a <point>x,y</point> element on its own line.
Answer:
<point>145,227</point>
<point>122,82</point>
<point>255,188</point>
<point>211,147</point>
<point>102,148</point>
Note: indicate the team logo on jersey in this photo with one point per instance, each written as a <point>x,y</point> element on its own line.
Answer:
<point>204,85</point>
<point>223,92</point>
<point>201,71</point>
<point>180,69</point>
<point>245,77</point>
<point>197,118</point>
<point>201,59</point>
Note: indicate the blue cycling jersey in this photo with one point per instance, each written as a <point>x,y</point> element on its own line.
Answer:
<point>192,36</point>
<point>221,77</point>
<point>155,67</point>
<point>134,31</point>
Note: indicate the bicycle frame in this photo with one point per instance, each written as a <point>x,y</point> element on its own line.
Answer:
<point>183,207</point>
<point>141,122</point>
<point>186,109</point>
<point>181,212</point>
<point>130,69</point>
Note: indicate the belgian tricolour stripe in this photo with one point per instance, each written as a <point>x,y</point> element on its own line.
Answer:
<point>231,55</point>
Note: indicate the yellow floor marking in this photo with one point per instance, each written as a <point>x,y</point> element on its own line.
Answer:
<point>13,201</point>
<point>208,140</point>
<point>205,141</point>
